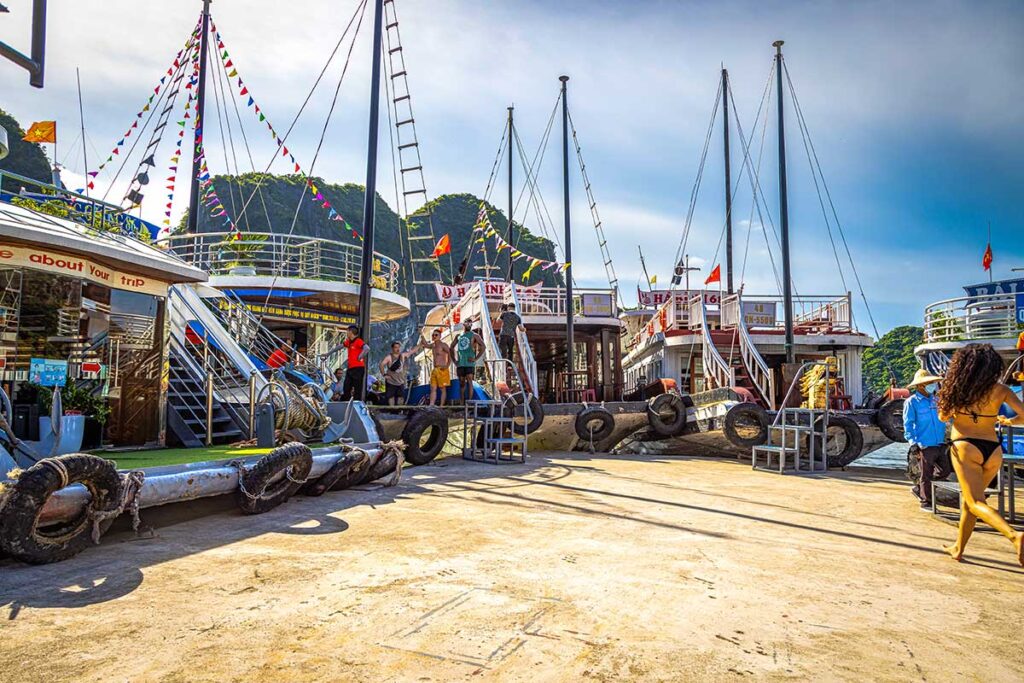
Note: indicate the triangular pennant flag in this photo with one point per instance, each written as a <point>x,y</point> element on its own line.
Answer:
<point>94,173</point>
<point>250,102</point>
<point>234,72</point>
<point>244,91</point>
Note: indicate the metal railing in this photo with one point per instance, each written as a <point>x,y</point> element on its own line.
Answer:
<point>274,255</point>
<point>551,301</point>
<point>526,357</point>
<point>966,318</point>
<point>760,374</point>
<point>717,373</point>
<point>90,212</point>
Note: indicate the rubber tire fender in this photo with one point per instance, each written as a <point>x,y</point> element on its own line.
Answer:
<point>854,440</point>
<point>330,479</point>
<point>267,496</point>
<point>19,536</point>
<point>889,419</point>
<point>432,422</point>
<point>752,413</point>
<point>587,416</point>
<point>673,426</point>
<point>536,413</point>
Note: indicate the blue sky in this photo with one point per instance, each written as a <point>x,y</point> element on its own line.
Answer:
<point>914,108</point>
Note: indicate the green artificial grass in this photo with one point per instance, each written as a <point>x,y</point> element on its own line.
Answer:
<point>134,460</point>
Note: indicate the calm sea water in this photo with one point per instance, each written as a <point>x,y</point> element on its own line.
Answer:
<point>893,456</point>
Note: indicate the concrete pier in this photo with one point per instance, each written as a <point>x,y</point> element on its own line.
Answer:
<point>569,567</point>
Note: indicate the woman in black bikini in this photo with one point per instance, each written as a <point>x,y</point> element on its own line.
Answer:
<point>971,397</point>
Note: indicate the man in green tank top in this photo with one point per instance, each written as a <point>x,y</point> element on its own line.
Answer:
<point>468,347</point>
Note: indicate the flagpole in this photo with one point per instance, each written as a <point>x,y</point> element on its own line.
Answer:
<point>989,246</point>
<point>81,120</point>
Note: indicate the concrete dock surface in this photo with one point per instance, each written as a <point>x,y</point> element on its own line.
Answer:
<point>569,567</point>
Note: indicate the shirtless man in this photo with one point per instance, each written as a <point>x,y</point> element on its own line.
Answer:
<point>440,376</point>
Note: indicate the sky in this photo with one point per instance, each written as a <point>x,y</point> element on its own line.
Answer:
<point>913,109</point>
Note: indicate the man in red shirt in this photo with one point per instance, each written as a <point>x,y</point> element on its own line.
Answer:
<point>355,376</point>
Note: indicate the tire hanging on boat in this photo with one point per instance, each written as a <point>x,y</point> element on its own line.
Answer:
<point>666,414</point>
<point>594,424</point>
<point>853,440</point>
<point>432,424</point>
<point>889,419</point>
<point>746,425</point>
<point>258,493</point>
<point>515,410</point>
<point>21,535</point>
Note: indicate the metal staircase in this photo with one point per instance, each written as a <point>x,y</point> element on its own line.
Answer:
<point>213,382</point>
<point>424,269</point>
<point>752,371</point>
<point>489,430</point>
<point>192,420</point>
<point>797,438</point>
<point>527,366</point>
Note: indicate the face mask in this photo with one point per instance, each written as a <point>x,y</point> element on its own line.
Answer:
<point>930,389</point>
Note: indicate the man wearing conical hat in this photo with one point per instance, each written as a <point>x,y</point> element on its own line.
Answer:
<point>925,433</point>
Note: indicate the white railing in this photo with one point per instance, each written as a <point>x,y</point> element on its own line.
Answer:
<point>671,315</point>
<point>717,373</point>
<point>760,374</point>
<point>546,301</point>
<point>311,258</point>
<point>811,314</point>
<point>966,318</point>
<point>526,356</point>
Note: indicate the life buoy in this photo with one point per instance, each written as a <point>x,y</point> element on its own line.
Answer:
<point>666,414</point>
<point>594,424</point>
<point>852,444</point>
<point>424,435</point>
<point>21,535</point>
<point>746,425</point>
<point>258,489</point>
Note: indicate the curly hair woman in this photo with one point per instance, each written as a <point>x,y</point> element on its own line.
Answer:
<point>971,397</point>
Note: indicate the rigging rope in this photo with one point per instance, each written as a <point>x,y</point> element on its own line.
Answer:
<point>696,185</point>
<point>816,167</point>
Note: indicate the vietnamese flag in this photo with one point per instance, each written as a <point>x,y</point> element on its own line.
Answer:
<point>716,275</point>
<point>444,246</point>
<point>41,131</point>
<point>986,260</point>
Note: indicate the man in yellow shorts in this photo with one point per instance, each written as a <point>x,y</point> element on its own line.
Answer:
<point>440,376</point>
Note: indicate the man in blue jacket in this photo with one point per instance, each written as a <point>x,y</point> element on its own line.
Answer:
<point>925,433</point>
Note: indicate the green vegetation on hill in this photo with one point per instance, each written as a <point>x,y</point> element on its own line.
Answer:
<point>453,214</point>
<point>25,158</point>
<point>896,347</point>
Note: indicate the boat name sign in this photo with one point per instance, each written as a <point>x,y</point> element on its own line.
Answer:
<point>76,266</point>
<point>452,293</point>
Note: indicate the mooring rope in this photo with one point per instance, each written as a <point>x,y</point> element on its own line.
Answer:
<point>131,484</point>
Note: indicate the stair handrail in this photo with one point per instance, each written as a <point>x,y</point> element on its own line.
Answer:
<point>190,301</point>
<point>526,356</point>
<point>796,380</point>
<point>760,374</point>
<point>715,367</point>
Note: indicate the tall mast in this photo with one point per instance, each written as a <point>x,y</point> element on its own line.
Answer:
<point>369,198</point>
<point>511,130</point>
<point>570,342</point>
<point>193,196</point>
<point>787,279</point>
<point>728,181</point>
<point>81,120</point>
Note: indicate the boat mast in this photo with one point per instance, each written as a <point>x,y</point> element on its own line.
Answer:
<point>511,129</point>
<point>193,196</point>
<point>570,342</point>
<point>728,181</point>
<point>787,281</point>
<point>369,198</point>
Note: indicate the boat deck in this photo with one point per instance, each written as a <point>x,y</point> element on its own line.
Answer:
<point>568,567</point>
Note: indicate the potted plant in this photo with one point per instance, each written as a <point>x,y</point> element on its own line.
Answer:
<point>79,399</point>
<point>240,255</point>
